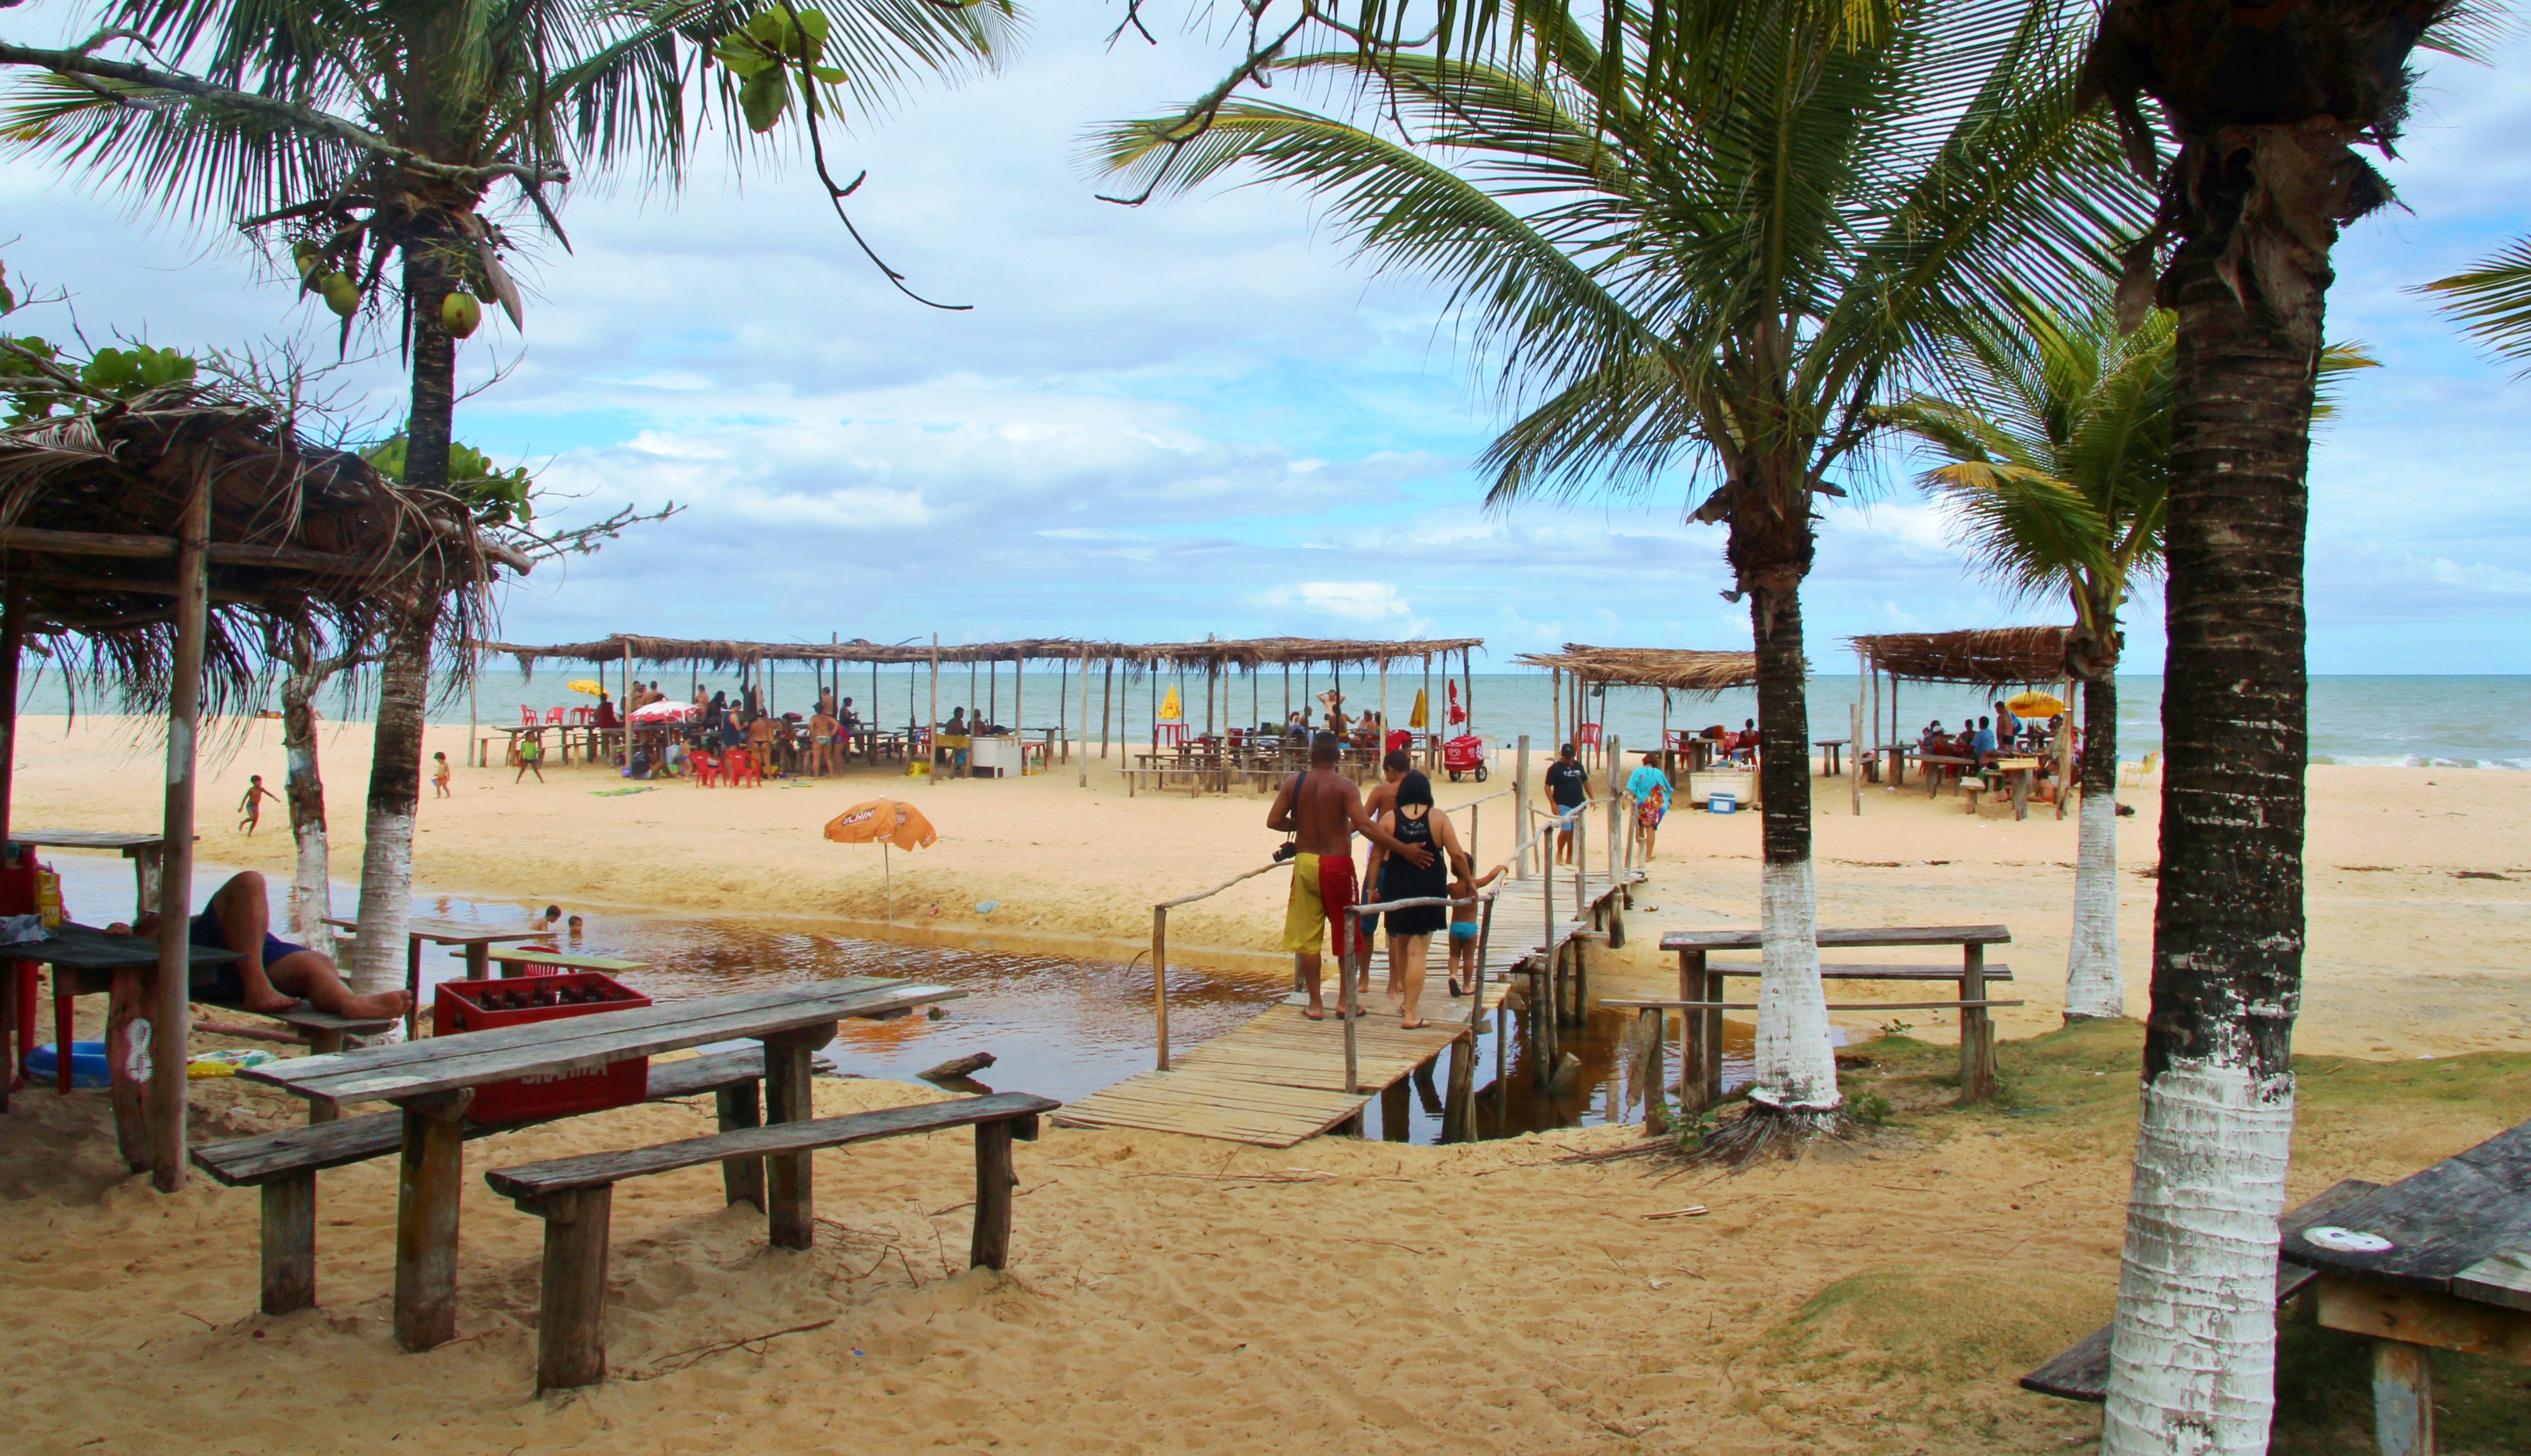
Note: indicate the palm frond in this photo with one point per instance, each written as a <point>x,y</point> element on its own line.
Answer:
<point>2492,303</point>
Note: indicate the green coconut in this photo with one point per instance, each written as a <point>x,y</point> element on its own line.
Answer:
<point>460,315</point>
<point>342,295</point>
<point>307,256</point>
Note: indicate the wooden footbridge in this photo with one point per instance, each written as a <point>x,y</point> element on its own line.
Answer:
<point>1282,1078</point>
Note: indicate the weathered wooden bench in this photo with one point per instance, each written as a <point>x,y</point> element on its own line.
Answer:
<point>2082,1372</point>
<point>1701,1002</point>
<point>574,1197</point>
<point>285,1164</point>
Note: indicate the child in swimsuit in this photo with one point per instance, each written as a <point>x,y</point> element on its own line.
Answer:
<point>1463,921</point>
<point>439,775</point>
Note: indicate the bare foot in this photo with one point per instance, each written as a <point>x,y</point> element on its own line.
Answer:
<point>1314,1013</point>
<point>269,1002</point>
<point>1404,1025</point>
<point>378,1006</point>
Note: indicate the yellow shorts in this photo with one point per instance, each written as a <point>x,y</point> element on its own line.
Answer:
<point>1323,895</point>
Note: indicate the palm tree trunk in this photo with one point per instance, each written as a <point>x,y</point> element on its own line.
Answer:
<point>1796,1071</point>
<point>310,887</point>
<point>404,676</point>
<point>2193,1356</point>
<point>2093,985</point>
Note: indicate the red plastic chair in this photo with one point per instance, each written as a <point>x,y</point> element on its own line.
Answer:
<point>1589,736</point>
<point>553,718</point>
<point>581,717</point>
<point>705,767</point>
<point>1173,734</point>
<point>743,768</point>
<point>527,716</point>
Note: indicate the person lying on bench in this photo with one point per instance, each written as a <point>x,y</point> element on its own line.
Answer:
<point>269,974</point>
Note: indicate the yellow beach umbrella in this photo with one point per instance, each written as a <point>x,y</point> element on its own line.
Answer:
<point>2036,705</point>
<point>1171,709</point>
<point>589,685</point>
<point>1420,719</point>
<point>883,823</point>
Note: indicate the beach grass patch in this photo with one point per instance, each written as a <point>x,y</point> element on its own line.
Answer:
<point>1943,1327</point>
<point>2324,1395</point>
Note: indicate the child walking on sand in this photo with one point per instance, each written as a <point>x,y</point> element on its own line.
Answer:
<point>439,775</point>
<point>532,758</point>
<point>253,805</point>
<point>1463,921</point>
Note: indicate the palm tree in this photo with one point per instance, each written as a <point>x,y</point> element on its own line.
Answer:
<point>2492,300</point>
<point>2057,440</point>
<point>356,134</point>
<point>2266,106</point>
<point>1707,249</point>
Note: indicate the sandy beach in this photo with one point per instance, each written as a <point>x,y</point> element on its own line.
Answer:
<point>1169,1294</point>
<point>2419,884</point>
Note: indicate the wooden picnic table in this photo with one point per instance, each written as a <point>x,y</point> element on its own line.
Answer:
<point>2441,1259</point>
<point>476,942</point>
<point>514,961</point>
<point>1701,985</point>
<point>1929,764</point>
<point>142,850</point>
<point>84,961</point>
<point>2020,771</point>
<point>433,1083</point>
<point>1831,749</point>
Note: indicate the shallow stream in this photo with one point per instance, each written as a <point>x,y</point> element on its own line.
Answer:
<point>1061,1026</point>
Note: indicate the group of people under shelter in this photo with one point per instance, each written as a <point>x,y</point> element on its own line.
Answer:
<point>2003,734</point>
<point>736,739</point>
<point>1416,855</point>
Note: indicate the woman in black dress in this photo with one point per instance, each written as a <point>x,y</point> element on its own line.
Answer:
<point>1411,930</point>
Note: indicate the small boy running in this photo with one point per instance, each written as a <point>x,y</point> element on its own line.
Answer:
<point>251,806</point>
<point>439,775</point>
<point>1463,921</point>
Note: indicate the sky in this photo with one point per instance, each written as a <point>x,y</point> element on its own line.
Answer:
<point>1202,416</point>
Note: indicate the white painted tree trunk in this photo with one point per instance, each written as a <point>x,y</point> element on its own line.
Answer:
<point>311,889</point>
<point>1796,1063</point>
<point>395,788</point>
<point>2093,986</point>
<point>2192,1359</point>
<point>386,903</point>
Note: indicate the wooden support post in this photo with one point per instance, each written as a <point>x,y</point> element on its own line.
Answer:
<point>1977,1029</point>
<point>323,1041</point>
<point>931,726</point>
<point>571,1299</point>
<point>1085,720</point>
<point>2065,753</point>
<point>1161,983</point>
<point>1395,1107</point>
<point>479,960</point>
<point>413,988</point>
<point>2404,1398</point>
<point>742,1179</point>
<point>1458,1097</point>
<point>290,1242</point>
<point>1854,760</point>
<point>790,1211</point>
<point>995,1178</point>
<point>1655,1119</point>
<point>1522,815</point>
<point>1107,709</point>
<point>429,1183</point>
<point>125,1000</point>
<point>1353,952</point>
<point>170,1033</point>
<point>1695,1032</point>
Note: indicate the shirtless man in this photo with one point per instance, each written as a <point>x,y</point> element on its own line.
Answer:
<point>822,744</point>
<point>269,974</point>
<point>1322,811</point>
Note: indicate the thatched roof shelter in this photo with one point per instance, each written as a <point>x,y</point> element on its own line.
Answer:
<point>1676,669</point>
<point>91,506</point>
<point>157,543</point>
<point>1986,658</point>
<point>1249,653</point>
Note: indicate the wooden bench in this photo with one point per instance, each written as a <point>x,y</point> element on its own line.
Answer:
<point>574,1195</point>
<point>2082,1372</point>
<point>285,1164</point>
<point>1701,1002</point>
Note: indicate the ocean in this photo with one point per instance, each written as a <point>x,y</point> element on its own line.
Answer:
<point>2413,721</point>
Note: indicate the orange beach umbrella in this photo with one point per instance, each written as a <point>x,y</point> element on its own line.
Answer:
<point>883,823</point>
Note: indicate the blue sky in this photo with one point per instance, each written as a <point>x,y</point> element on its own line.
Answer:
<point>1200,417</point>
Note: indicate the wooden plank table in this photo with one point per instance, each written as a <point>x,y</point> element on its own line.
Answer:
<point>2021,771</point>
<point>516,961</point>
<point>1701,1082</point>
<point>2441,1259</point>
<point>474,942</point>
<point>433,1083</point>
<point>1831,749</point>
<point>85,958</point>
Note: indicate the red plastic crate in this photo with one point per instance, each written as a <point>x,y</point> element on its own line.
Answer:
<point>483,1005</point>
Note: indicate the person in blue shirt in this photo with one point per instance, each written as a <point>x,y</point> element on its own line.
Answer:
<point>1648,787</point>
<point>1982,741</point>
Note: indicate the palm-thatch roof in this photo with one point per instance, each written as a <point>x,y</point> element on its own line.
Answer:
<point>1988,657</point>
<point>91,503</point>
<point>1249,653</point>
<point>1676,669</point>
